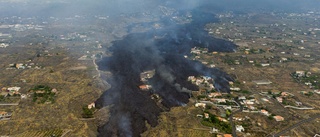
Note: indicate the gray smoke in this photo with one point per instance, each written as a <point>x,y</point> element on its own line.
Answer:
<point>165,74</point>
<point>125,125</point>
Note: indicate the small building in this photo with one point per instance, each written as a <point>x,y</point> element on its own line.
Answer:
<point>147,75</point>
<point>265,100</point>
<point>316,91</point>
<point>300,73</point>
<point>238,118</point>
<point>4,114</point>
<point>227,107</point>
<point>13,89</point>
<point>248,102</point>
<point>278,118</point>
<point>227,135</point>
<point>203,105</point>
<point>242,98</point>
<point>222,119</point>
<point>20,66</point>
<point>284,94</point>
<point>23,96</point>
<point>214,130</point>
<point>92,105</point>
<point>284,59</point>
<point>264,112</point>
<point>298,103</point>
<point>54,90</point>
<point>220,100</point>
<point>235,89</point>
<point>215,94</point>
<point>262,82</point>
<point>206,115</point>
<point>239,128</point>
<point>145,87</point>
<point>279,99</point>
<point>307,56</point>
<point>4,45</point>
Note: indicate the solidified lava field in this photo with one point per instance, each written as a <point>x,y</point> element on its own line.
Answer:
<point>161,50</point>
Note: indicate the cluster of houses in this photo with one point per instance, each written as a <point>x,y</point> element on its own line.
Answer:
<point>249,106</point>
<point>12,91</point>
<point>284,95</point>
<point>4,45</point>
<point>302,76</point>
<point>144,76</point>
<point>301,73</point>
<point>23,66</point>
<point>5,115</point>
<point>74,36</point>
<point>276,117</point>
<point>239,128</point>
<point>204,81</point>
<point>22,27</point>
<point>196,50</point>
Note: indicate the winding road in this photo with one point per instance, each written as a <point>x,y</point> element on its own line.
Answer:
<point>234,133</point>
<point>296,125</point>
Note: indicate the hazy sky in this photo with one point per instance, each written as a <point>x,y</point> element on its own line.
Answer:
<point>115,7</point>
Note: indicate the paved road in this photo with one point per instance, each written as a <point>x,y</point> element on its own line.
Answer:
<point>296,125</point>
<point>9,104</point>
<point>234,133</point>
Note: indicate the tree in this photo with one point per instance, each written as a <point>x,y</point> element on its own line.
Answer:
<point>87,113</point>
<point>228,112</point>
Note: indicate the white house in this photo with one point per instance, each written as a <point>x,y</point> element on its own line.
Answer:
<point>214,130</point>
<point>239,128</point>
<point>92,105</point>
<point>23,96</point>
<point>203,105</point>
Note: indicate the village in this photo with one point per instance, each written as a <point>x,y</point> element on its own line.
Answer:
<point>275,69</point>
<point>261,93</point>
<point>11,96</point>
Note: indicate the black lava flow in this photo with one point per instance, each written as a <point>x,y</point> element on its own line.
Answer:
<point>162,50</point>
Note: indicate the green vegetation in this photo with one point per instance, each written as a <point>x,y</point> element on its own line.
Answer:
<point>208,107</point>
<point>43,94</point>
<point>256,51</point>
<point>213,121</point>
<point>228,103</point>
<point>10,98</point>
<point>2,97</point>
<point>313,79</point>
<point>270,117</point>
<point>229,61</point>
<point>237,83</point>
<point>245,92</point>
<point>287,102</point>
<point>228,112</point>
<point>201,96</point>
<point>308,93</point>
<point>87,113</point>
